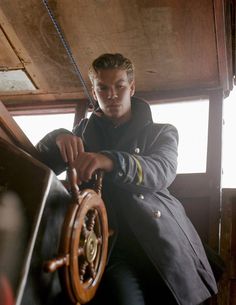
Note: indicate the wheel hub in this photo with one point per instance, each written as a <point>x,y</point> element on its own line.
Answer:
<point>91,247</point>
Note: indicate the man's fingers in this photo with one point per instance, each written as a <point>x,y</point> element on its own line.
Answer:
<point>86,172</point>
<point>63,153</point>
<point>80,146</point>
<point>70,152</point>
<point>70,146</point>
<point>74,148</point>
<point>87,163</point>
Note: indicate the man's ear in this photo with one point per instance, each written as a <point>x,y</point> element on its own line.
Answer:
<point>132,88</point>
<point>94,94</point>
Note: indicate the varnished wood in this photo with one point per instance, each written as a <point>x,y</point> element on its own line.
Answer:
<point>227,286</point>
<point>85,286</point>
<point>18,46</point>
<point>214,164</point>
<point>29,180</point>
<point>84,242</point>
<point>175,45</point>
<point>81,111</point>
<point>180,49</point>
<point>8,58</point>
<point>32,35</point>
<point>42,105</point>
<point>10,131</point>
<point>224,42</point>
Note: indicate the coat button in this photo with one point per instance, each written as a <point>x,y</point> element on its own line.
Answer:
<point>120,174</point>
<point>140,196</point>
<point>137,150</point>
<point>157,214</point>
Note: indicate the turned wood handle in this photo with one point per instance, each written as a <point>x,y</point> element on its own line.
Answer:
<point>72,177</point>
<point>55,264</point>
<point>98,181</point>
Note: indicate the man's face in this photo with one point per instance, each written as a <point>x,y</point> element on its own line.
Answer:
<point>113,91</point>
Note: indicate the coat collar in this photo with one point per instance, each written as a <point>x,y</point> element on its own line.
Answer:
<point>95,131</point>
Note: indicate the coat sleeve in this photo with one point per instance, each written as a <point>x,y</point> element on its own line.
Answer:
<point>154,168</point>
<point>49,152</point>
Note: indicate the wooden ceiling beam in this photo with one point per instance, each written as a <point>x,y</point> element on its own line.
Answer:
<point>39,96</point>
<point>56,107</point>
<point>154,97</point>
<point>42,100</point>
<point>29,67</point>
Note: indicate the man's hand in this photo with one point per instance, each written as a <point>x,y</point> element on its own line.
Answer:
<point>70,146</point>
<point>87,163</point>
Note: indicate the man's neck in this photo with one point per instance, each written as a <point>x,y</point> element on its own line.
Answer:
<point>122,120</point>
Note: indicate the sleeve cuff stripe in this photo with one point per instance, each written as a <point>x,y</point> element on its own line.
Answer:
<point>139,171</point>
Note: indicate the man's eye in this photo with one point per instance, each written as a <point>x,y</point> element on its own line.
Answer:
<point>120,86</point>
<point>103,88</point>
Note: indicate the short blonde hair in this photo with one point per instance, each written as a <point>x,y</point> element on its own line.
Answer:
<point>111,61</point>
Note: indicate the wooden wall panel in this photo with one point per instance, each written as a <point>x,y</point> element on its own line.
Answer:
<point>174,44</point>
<point>8,58</point>
<point>11,132</point>
<point>28,23</point>
<point>227,293</point>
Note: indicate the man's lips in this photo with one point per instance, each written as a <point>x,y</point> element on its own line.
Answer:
<point>113,105</point>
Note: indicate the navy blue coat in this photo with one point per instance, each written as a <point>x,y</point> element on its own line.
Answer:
<point>145,156</point>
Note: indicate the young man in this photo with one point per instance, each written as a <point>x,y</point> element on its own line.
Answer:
<point>156,256</point>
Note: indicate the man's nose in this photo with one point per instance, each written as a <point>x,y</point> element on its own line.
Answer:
<point>112,94</point>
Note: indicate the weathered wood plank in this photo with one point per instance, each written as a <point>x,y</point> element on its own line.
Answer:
<point>8,58</point>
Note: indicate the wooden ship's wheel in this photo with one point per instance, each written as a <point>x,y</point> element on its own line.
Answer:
<point>84,242</point>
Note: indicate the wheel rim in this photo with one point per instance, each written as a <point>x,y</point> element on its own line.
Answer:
<point>87,247</point>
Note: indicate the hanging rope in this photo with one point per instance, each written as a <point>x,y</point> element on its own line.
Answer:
<point>68,50</point>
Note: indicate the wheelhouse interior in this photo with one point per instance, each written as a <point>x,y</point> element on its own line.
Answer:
<point>183,52</point>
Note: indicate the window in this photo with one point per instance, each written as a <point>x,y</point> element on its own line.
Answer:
<point>37,126</point>
<point>191,120</point>
<point>189,117</point>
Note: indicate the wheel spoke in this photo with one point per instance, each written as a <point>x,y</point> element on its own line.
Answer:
<point>99,240</point>
<point>84,231</point>
<point>91,219</point>
<point>92,270</point>
<point>81,251</point>
<point>82,270</point>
